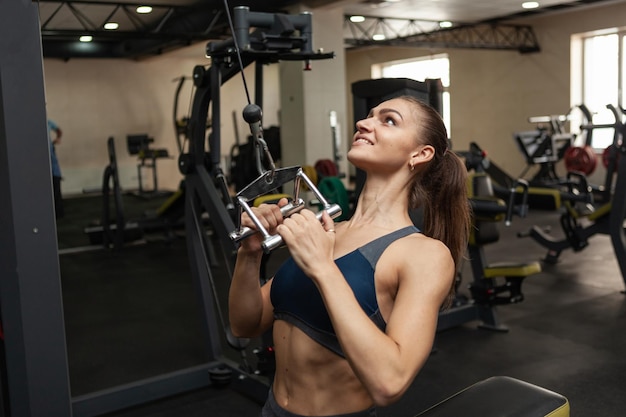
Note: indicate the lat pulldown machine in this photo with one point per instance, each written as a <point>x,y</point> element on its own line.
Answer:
<point>276,37</point>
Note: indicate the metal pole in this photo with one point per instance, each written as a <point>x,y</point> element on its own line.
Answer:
<point>30,287</point>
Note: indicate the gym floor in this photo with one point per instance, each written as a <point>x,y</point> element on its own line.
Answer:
<point>131,314</point>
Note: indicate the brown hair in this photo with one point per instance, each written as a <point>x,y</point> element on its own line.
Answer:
<point>439,188</point>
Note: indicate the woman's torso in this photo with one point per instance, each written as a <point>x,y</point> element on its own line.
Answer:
<point>311,379</point>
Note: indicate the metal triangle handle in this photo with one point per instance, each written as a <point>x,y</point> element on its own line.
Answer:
<point>268,182</point>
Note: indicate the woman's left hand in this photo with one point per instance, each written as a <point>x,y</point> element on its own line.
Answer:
<point>310,242</point>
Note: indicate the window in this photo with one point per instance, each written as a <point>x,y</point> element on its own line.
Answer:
<point>432,67</point>
<point>598,76</point>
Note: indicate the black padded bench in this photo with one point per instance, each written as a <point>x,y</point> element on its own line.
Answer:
<point>501,396</point>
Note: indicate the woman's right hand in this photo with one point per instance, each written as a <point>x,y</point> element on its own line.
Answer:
<point>270,217</point>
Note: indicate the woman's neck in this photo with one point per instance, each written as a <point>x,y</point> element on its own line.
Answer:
<point>383,204</point>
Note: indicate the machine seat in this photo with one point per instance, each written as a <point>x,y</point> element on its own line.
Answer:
<point>501,396</point>
<point>508,269</point>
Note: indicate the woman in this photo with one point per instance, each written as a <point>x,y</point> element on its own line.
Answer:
<point>354,311</point>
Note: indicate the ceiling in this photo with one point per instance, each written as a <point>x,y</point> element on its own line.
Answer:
<point>173,24</point>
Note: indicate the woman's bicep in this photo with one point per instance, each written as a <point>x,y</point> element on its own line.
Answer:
<point>423,284</point>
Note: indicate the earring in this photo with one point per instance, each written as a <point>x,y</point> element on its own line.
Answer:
<point>412,166</point>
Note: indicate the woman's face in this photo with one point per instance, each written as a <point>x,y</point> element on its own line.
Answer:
<point>387,138</point>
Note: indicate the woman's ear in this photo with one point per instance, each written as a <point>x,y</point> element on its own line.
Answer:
<point>422,155</point>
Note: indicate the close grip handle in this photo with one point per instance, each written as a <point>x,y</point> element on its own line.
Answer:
<point>274,241</point>
<point>261,186</point>
<point>286,210</point>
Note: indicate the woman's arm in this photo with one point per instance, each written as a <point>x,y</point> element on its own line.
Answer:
<point>249,306</point>
<point>386,363</point>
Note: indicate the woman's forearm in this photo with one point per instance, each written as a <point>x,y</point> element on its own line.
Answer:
<point>245,298</point>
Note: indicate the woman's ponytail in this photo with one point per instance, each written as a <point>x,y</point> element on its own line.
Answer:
<point>440,188</point>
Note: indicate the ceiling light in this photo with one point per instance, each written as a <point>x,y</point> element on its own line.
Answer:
<point>378,37</point>
<point>111,25</point>
<point>144,9</point>
<point>357,19</point>
<point>445,24</point>
<point>86,38</point>
<point>530,5</point>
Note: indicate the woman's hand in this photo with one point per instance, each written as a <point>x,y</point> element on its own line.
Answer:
<point>310,242</point>
<point>270,217</point>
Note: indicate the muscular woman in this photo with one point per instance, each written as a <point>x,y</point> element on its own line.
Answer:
<point>354,310</point>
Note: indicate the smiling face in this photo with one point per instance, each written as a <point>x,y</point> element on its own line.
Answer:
<point>388,138</point>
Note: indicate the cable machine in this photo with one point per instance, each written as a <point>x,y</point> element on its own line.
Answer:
<point>35,351</point>
<point>276,37</point>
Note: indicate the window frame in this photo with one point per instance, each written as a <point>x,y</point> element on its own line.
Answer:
<point>579,90</point>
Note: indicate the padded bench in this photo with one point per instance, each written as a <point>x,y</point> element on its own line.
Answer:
<point>501,396</point>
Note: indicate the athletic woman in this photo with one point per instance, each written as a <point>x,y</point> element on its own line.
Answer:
<point>354,310</point>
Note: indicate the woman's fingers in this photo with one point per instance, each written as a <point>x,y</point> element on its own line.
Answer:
<point>268,215</point>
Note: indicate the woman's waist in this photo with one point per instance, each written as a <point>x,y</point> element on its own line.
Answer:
<point>311,378</point>
<point>309,396</point>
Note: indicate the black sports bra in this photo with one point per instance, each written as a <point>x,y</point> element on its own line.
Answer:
<point>297,300</point>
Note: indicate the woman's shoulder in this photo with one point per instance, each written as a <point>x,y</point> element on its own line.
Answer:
<point>418,250</point>
<point>419,265</point>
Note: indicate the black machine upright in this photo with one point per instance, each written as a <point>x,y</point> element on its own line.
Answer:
<point>276,38</point>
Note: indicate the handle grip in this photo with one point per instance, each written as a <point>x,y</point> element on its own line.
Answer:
<point>272,242</point>
<point>286,210</point>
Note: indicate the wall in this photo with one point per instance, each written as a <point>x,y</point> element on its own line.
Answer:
<point>494,92</point>
<point>94,99</point>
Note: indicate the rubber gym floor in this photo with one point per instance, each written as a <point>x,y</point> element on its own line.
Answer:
<point>131,314</point>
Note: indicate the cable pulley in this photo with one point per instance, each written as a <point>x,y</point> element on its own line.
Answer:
<point>268,181</point>
<point>283,41</point>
